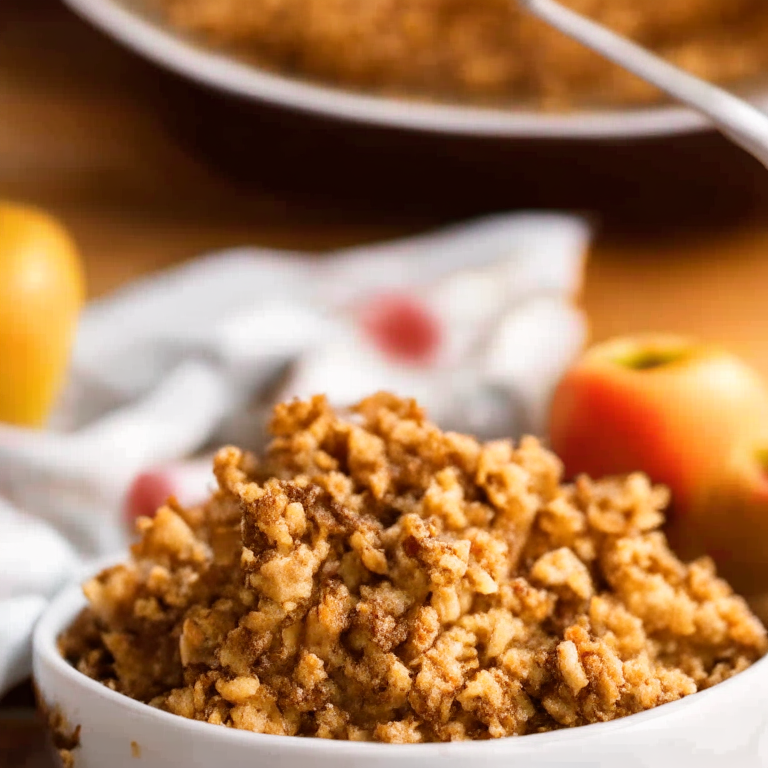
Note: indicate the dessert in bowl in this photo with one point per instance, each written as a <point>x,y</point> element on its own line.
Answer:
<point>373,579</point>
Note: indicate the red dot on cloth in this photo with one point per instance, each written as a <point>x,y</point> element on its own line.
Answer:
<point>402,328</point>
<point>148,492</point>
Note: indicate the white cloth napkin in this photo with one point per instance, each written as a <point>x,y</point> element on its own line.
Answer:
<point>476,322</point>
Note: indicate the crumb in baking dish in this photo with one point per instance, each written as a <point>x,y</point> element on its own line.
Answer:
<point>478,51</point>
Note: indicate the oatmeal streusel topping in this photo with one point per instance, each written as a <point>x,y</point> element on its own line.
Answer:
<point>481,51</point>
<point>374,578</point>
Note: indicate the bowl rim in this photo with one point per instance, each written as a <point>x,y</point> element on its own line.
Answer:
<point>171,50</point>
<point>65,607</point>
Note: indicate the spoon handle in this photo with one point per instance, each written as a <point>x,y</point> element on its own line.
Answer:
<point>744,124</point>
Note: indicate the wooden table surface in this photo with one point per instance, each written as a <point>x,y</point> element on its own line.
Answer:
<point>148,170</point>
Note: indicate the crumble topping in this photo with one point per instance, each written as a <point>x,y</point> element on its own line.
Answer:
<point>374,578</point>
<point>478,51</point>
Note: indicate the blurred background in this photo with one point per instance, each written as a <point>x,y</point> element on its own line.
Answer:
<point>148,170</point>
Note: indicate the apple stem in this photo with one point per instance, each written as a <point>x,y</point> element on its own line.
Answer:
<point>761,454</point>
<point>648,359</point>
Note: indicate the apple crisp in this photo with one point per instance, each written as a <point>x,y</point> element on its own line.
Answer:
<point>374,578</point>
<point>484,51</point>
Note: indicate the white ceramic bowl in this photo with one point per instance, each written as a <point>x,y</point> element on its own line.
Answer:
<point>148,36</point>
<point>724,726</point>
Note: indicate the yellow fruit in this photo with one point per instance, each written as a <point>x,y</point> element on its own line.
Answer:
<point>41,292</point>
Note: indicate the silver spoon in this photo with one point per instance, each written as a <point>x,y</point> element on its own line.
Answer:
<point>744,124</point>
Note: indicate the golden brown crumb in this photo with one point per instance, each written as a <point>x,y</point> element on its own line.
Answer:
<point>374,578</point>
<point>65,738</point>
<point>479,50</point>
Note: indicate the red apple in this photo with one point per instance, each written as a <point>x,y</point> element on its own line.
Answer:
<point>691,416</point>
<point>728,520</point>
